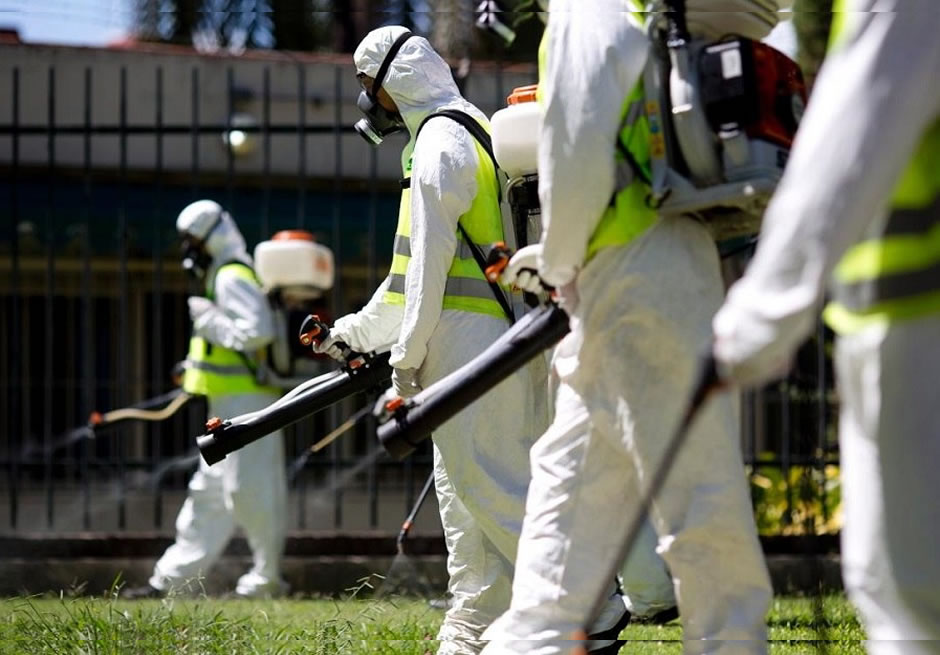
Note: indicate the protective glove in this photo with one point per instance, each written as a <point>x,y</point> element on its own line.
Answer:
<point>404,385</point>
<point>522,270</point>
<point>405,382</point>
<point>332,346</point>
<point>748,349</point>
<point>199,307</point>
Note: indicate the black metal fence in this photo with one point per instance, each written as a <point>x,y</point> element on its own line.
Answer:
<point>95,313</point>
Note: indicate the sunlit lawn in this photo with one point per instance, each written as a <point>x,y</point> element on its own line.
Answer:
<point>211,625</point>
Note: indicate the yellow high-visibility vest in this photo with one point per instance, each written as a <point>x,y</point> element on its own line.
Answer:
<point>628,215</point>
<point>212,370</point>
<point>895,276</point>
<point>466,288</point>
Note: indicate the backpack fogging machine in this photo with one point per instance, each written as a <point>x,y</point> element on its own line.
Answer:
<point>359,373</point>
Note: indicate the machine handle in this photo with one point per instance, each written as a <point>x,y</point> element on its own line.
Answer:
<point>314,331</point>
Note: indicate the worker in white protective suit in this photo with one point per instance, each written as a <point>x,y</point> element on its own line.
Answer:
<point>859,207</point>
<point>231,324</point>
<point>436,312</point>
<point>641,291</point>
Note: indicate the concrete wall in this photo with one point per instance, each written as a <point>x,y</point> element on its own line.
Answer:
<point>196,87</point>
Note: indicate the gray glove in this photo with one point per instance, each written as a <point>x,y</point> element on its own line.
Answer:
<point>332,346</point>
<point>404,386</point>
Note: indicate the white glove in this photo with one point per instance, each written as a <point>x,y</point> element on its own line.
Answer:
<point>567,297</point>
<point>199,307</point>
<point>405,382</point>
<point>522,270</point>
<point>404,385</point>
<point>331,346</point>
<point>748,351</point>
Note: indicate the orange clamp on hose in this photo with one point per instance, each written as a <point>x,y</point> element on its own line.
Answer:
<point>213,423</point>
<point>394,404</point>
<point>307,337</point>
<point>499,265</point>
<point>95,418</point>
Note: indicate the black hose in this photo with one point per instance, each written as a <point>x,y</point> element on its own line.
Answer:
<point>237,433</point>
<point>414,422</point>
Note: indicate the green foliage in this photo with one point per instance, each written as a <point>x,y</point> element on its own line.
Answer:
<point>802,500</point>
<point>812,19</point>
<point>174,626</point>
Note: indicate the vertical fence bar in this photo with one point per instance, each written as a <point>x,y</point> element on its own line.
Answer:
<point>266,152</point>
<point>49,328</point>
<point>821,415</point>
<point>157,293</point>
<point>338,285</point>
<point>786,444</point>
<point>16,351</point>
<point>301,144</point>
<point>88,377</point>
<point>372,283</point>
<point>300,218</point>
<point>229,151</point>
<point>123,362</point>
<point>194,135</point>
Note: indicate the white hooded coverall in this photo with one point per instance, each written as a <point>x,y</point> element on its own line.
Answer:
<point>248,488</point>
<point>480,455</point>
<point>641,317</point>
<point>875,98</point>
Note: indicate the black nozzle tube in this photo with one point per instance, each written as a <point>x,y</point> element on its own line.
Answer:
<point>537,331</point>
<point>235,433</point>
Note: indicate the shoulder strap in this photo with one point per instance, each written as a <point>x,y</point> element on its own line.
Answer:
<point>477,132</point>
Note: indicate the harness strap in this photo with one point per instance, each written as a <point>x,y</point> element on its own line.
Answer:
<point>477,132</point>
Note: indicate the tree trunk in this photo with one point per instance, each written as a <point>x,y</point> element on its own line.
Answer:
<point>812,20</point>
<point>452,29</point>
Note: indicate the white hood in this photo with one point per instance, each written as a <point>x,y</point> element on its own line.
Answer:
<point>418,79</point>
<point>225,242</point>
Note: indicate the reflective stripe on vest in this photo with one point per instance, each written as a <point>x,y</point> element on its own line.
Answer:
<point>896,276</point>
<point>213,370</point>
<point>628,215</point>
<point>466,288</point>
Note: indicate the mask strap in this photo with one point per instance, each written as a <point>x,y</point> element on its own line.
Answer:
<point>218,221</point>
<point>387,62</point>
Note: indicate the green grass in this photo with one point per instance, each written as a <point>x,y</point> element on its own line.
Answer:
<point>207,626</point>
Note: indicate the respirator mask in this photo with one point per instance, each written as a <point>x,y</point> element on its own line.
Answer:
<point>196,260</point>
<point>379,122</point>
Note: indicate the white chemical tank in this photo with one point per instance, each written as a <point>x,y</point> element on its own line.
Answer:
<point>293,259</point>
<point>516,133</point>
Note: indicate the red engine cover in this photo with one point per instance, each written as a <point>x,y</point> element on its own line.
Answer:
<point>751,86</point>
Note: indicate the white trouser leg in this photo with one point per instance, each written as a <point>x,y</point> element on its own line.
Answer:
<point>255,492</point>
<point>248,488</point>
<point>203,528</point>
<point>479,576</point>
<point>481,475</point>
<point>647,585</point>
<point>643,318</point>
<point>558,545</point>
<point>890,455</point>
